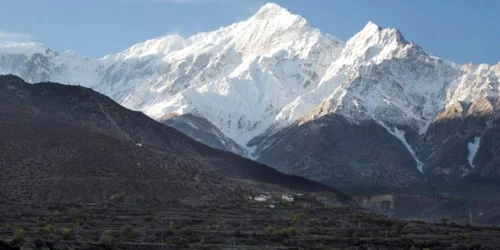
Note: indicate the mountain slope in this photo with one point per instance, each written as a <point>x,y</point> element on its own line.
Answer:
<point>71,144</point>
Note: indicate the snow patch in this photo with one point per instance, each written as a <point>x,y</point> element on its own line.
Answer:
<point>400,134</point>
<point>473,148</point>
<point>193,125</point>
<point>423,130</point>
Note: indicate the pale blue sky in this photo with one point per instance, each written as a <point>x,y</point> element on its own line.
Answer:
<point>456,30</point>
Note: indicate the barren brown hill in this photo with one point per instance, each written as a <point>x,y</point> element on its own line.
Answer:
<point>71,144</point>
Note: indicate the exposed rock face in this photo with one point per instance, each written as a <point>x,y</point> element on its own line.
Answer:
<point>447,151</point>
<point>338,153</point>
<point>460,141</point>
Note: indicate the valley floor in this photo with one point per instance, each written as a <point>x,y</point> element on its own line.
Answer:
<point>244,224</point>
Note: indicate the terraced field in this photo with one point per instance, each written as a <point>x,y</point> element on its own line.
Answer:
<point>243,224</point>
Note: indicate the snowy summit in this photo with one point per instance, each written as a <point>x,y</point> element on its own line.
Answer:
<point>268,72</point>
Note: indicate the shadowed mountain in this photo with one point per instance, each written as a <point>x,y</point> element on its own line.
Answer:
<point>71,144</point>
<point>461,141</point>
<point>378,166</point>
<point>203,131</point>
<point>338,153</point>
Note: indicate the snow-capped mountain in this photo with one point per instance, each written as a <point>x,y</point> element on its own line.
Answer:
<point>238,77</point>
<point>242,86</point>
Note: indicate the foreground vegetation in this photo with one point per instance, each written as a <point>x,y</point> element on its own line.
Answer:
<point>243,224</point>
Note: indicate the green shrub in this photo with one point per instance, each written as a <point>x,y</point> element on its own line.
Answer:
<point>187,231</point>
<point>270,230</point>
<point>285,203</point>
<point>78,223</point>
<point>172,226</point>
<point>203,240</point>
<point>107,240</point>
<point>49,229</point>
<point>156,217</point>
<point>74,212</point>
<point>8,226</point>
<point>287,232</point>
<point>65,232</point>
<point>19,233</point>
<point>299,217</point>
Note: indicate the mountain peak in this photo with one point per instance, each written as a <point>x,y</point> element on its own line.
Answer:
<point>371,27</point>
<point>372,34</point>
<point>271,10</point>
